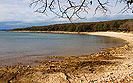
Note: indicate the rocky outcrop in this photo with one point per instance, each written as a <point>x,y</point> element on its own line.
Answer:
<point>40,77</point>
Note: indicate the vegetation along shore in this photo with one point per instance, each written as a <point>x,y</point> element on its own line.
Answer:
<point>115,25</point>
<point>111,65</point>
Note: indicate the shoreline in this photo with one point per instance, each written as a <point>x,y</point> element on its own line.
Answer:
<point>108,33</point>
<point>118,64</point>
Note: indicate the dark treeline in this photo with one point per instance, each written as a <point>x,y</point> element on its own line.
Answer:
<point>115,25</point>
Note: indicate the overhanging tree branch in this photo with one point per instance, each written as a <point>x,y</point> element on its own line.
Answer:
<point>74,8</point>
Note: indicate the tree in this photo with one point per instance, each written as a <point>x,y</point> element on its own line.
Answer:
<point>106,27</point>
<point>115,25</point>
<point>70,8</point>
<point>78,28</point>
<point>98,27</point>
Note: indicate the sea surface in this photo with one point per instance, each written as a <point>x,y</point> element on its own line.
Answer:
<point>15,46</point>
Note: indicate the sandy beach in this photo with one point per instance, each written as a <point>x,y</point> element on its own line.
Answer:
<point>119,69</point>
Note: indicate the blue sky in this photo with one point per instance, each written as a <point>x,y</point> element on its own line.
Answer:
<point>17,13</point>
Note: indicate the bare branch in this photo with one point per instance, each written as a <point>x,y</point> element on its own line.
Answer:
<point>74,8</point>
<point>128,6</point>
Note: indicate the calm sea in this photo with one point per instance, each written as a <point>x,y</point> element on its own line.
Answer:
<point>17,45</point>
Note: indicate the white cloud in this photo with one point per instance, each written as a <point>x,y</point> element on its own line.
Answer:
<point>19,10</point>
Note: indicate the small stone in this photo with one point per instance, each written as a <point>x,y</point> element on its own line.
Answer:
<point>129,65</point>
<point>111,73</point>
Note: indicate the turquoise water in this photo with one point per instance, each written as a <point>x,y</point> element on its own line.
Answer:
<point>13,44</point>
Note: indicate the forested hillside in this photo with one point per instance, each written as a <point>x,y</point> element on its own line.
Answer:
<point>115,25</point>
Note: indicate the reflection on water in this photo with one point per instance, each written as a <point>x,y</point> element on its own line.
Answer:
<point>22,44</point>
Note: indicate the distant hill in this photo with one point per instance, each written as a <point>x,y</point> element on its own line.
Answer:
<point>5,29</point>
<point>114,25</point>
